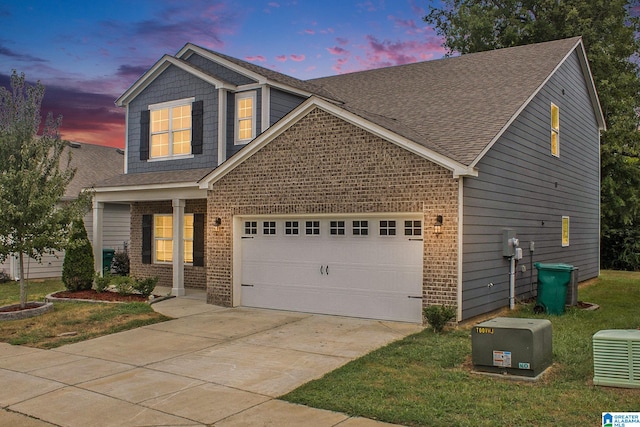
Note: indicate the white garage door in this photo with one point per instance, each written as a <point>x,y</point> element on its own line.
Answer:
<point>352,266</point>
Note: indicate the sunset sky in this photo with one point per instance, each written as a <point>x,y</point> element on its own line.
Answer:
<point>88,53</point>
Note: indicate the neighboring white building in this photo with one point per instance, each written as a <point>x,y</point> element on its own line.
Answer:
<point>93,163</point>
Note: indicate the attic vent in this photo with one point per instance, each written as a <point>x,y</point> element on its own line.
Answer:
<point>616,358</point>
<point>75,145</point>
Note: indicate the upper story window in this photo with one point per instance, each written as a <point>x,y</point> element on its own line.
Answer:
<point>170,129</point>
<point>245,117</point>
<point>555,130</point>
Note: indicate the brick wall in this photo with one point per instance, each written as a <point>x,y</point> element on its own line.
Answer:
<point>323,164</point>
<point>194,277</point>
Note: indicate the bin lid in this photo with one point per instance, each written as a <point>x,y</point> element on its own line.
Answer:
<point>553,267</point>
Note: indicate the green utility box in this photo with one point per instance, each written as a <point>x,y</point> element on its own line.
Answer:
<point>512,346</point>
<point>107,259</point>
<point>553,280</point>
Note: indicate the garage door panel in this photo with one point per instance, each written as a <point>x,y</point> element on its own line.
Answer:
<point>381,279</point>
<point>335,301</point>
<point>372,275</point>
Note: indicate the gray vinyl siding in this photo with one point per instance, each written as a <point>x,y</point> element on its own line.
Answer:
<point>115,231</point>
<point>116,226</point>
<point>232,148</point>
<point>219,71</point>
<point>523,187</point>
<point>282,103</point>
<point>174,84</point>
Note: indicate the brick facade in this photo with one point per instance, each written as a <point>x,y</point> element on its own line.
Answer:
<point>323,164</point>
<point>194,277</point>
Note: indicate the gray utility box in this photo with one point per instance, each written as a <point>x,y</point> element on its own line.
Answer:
<point>512,346</point>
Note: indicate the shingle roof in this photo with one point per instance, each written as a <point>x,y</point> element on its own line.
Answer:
<point>93,164</point>
<point>150,178</point>
<point>454,106</point>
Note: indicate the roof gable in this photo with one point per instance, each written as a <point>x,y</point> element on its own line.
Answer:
<point>165,62</point>
<point>315,102</point>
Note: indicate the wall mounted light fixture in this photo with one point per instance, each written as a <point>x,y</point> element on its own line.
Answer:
<point>216,223</point>
<point>437,227</point>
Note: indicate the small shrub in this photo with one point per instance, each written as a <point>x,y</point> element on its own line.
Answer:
<point>438,316</point>
<point>4,277</point>
<point>77,268</point>
<point>124,285</point>
<point>101,283</point>
<point>145,286</point>
<point>121,263</point>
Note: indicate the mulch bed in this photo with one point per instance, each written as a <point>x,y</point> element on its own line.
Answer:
<point>100,296</point>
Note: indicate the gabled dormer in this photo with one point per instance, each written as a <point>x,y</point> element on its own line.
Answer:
<point>198,108</point>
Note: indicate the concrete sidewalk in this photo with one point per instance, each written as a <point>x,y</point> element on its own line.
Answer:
<point>209,366</point>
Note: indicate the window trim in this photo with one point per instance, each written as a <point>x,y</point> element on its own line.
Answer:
<point>155,239</point>
<point>292,228</point>
<point>169,105</point>
<point>388,230</point>
<point>566,231</point>
<point>239,96</point>
<point>555,130</point>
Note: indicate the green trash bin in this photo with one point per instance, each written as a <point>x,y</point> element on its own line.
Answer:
<point>107,259</point>
<point>553,280</point>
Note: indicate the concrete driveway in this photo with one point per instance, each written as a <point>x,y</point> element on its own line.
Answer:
<point>209,366</point>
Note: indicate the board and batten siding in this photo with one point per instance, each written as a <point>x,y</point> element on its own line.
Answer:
<point>522,186</point>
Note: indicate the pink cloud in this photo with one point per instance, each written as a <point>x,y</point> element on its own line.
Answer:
<point>310,68</point>
<point>273,4</point>
<point>387,53</point>
<point>255,58</point>
<point>408,24</point>
<point>281,58</point>
<point>338,67</point>
<point>297,58</point>
<point>418,10</point>
<point>309,31</point>
<point>342,41</point>
<point>337,50</point>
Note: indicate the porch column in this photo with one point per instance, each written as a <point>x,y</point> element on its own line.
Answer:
<point>178,247</point>
<point>98,209</point>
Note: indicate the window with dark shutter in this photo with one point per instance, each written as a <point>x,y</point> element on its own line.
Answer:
<point>144,134</point>
<point>197,122</point>
<point>198,240</point>
<point>147,224</point>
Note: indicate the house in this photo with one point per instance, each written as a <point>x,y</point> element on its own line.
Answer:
<point>93,163</point>
<point>371,194</point>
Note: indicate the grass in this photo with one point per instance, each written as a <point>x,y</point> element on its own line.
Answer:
<point>425,379</point>
<point>70,321</point>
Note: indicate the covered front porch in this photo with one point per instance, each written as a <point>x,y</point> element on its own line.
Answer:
<point>168,223</point>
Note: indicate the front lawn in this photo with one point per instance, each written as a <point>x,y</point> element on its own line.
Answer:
<point>70,321</point>
<point>426,380</point>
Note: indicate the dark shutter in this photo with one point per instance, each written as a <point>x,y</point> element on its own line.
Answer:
<point>198,240</point>
<point>144,135</point>
<point>197,118</point>
<point>147,224</point>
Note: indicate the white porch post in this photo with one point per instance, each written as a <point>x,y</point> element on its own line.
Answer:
<point>178,247</point>
<point>98,209</point>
